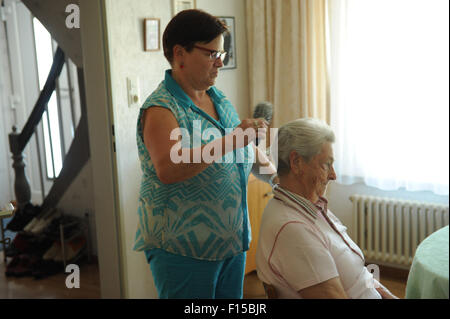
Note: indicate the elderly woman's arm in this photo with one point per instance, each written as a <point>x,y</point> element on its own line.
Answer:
<point>158,124</point>
<point>330,289</point>
<point>384,292</point>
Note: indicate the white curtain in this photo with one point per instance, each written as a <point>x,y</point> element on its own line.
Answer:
<point>287,57</point>
<point>389,92</point>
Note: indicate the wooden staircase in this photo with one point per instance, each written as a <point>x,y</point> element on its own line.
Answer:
<point>52,14</point>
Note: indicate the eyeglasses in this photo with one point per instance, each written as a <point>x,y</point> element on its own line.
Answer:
<point>213,54</point>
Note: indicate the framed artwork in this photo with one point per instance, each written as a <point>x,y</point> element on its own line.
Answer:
<point>151,34</point>
<point>180,5</point>
<point>229,44</point>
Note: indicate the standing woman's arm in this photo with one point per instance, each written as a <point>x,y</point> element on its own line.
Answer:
<point>263,168</point>
<point>158,124</point>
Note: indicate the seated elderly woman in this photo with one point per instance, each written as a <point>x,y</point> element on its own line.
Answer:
<point>304,250</point>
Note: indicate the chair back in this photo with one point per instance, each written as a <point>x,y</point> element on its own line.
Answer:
<point>271,293</point>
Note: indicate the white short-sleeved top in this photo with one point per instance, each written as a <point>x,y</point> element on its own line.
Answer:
<point>299,248</point>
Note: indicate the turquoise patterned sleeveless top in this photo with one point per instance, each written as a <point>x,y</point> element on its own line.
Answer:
<point>206,216</point>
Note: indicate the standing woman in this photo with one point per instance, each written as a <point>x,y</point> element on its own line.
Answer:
<point>193,219</point>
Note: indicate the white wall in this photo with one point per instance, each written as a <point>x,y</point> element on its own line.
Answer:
<point>79,199</point>
<point>128,58</point>
<point>234,82</point>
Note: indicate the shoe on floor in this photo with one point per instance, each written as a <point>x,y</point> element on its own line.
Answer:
<point>22,265</point>
<point>26,265</point>
<point>70,225</point>
<point>71,249</point>
<point>22,243</point>
<point>22,217</point>
<point>47,268</point>
<point>42,245</point>
<point>44,222</point>
<point>52,251</point>
<point>11,265</point>
<point>11,251</point>
<point>31,224</point>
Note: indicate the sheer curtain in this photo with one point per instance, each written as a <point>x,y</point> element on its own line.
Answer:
<point>287,57</point>
<point>389,92</point>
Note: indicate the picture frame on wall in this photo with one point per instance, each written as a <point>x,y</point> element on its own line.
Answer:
<point>180,5</point>
<point>229,44</point>
<point>151,34</point>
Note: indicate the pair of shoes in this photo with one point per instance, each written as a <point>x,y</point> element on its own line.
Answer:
<point>52,251</point>
<point>38,218</point>
<point>31,224</point>
<point>70,224</point>
<point>11,265</point>
<point>41,245</point>
<point>43,222</point>
<point>22,265</point>
<point>11,251</point>
<point>25,243</point>
<point>22,243</point>
<point>27,263</point>
<point>45,268</point>
<point>71,249</point>
<point>22,217</point>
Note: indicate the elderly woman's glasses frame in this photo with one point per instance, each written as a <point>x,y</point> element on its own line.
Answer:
<point>213,54</point>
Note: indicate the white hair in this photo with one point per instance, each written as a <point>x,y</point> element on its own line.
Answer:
<point>305,136</point>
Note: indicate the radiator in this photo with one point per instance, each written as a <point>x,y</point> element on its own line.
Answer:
<point>389,230</point>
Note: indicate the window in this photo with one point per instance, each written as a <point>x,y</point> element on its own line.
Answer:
<point>389,79</point>
<point>60,118</point>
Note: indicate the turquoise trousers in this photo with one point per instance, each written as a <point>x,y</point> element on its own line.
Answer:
<point>179,277</point>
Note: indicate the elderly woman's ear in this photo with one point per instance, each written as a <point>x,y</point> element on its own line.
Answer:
<point>295,162</point>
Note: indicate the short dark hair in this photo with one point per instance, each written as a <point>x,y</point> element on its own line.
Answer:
<point>189,27</point>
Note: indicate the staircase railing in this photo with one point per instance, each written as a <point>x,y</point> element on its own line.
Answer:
<point>75,159</point>
<point>18,141</point>
<point>77,156</point>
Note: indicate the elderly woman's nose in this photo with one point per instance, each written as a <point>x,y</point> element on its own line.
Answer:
<point>332,174</point>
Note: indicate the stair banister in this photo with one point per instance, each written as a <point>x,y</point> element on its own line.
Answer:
<point>18,141</point>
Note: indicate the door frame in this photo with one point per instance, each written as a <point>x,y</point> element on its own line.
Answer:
<point>97,80</point>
